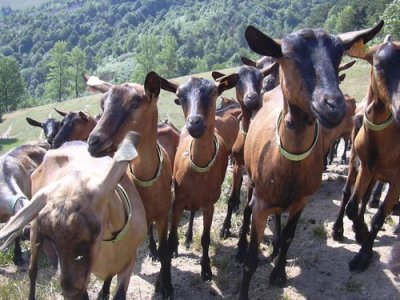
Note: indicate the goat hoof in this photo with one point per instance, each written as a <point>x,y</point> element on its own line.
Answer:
<point>344,161</point>
<point>360,262</point>
<point>188,244</point>
<point>243,295</point>
<point>374,203</point>
<point>166,292</point>
<point>206,275</point>
<point>240,255</point>
<point>153,256</point>
<point>224,233</point>
<point>277,278</point>
<point>236,208</point>
<point>337,234</point>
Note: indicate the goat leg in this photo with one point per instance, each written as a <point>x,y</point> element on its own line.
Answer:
<point>278,274</point>
<point>189,231</point>
<point>152,244</point>
<point>242,244</point>
<point>376,195</point>
<point>33,264</point>
<point>173,240</point>
<point>104,293</point>
<point>206,272</point>
<point>250,265</point>
<point>277,238</point>
<point>18,258</point>
<point>163,283</point>
<point>361,261</point>
<point>233,201</point>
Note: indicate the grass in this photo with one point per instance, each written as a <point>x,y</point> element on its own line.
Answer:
<point>320,231</point>
<point>352,285</point>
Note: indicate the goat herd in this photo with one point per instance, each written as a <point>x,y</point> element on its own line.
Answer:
<point>89,212</point>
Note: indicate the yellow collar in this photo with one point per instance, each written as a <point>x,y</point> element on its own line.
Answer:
<point>123,196</point>
<point>377,127</point>
<point>150,182</point>
<point>212,161</point>
<point>291,156</point>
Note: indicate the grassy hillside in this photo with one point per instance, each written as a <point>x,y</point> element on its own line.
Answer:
<point>15,131</point>
<point>21,4</point>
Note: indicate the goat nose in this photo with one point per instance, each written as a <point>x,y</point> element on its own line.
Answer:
<point>93,140</point>
<point>333,100</point>
<point>251,96</point>
<point>194,120</point>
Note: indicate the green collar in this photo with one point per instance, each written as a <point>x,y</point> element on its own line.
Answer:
<point>14,202</point>
<point>150,182</point>
<point>377,127</point>
<point>123,196</point>
<point>212,161</point>
<point>291,156</point>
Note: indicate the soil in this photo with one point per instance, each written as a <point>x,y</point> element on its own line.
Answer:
<point>317,266</point>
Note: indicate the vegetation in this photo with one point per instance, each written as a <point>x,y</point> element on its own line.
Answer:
<point>122,40</point>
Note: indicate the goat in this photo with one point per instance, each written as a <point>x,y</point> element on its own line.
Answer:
<point>283,152</point>
<point>17,166</point>
<point>94,225</point>
<point>202,155</point>
<point>134,107</point>
<point>377,145</point>
<point>50,127</point>
<point>272,79</point>
<point>249,96</point>
<point>75,126</point>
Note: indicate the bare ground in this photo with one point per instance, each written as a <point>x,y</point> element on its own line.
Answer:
<point>317,266</point>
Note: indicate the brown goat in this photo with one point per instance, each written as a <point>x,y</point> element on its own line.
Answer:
<point>249,96</point>
<point>17,166</point>
<point>202,155</point>
<point>134,107</point>
<point>283,151</point>
<point>377,144</point>
<point>93,224</point>
<point>272,79</point>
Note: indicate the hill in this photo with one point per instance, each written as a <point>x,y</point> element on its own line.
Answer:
<point>123,39</point>
<point>21,4</point>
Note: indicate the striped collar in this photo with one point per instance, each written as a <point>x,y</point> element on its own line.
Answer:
<point>241,128</point>
<point>377,127</point>
<point>291,156</point>
<point>150,182</point>
<point>123,196</point>
<point>210,164</point>
<point>14,202</point>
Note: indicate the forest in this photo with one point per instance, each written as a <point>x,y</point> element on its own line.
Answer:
<point>47,47</point>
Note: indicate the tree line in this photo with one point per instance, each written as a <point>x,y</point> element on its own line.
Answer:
<point>121,40</point>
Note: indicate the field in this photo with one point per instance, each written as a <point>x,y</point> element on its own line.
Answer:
<point>317,265</point>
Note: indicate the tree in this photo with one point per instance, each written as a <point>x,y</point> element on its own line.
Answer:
<point>146,56</point>
<point>168,57</point>
<point>58,79</point>
<point>12,87</point>
<point>392,21</point>
<point>77,60</point>
<point>346,20</point>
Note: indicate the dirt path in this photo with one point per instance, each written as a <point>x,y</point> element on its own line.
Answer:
<point>317,266</point>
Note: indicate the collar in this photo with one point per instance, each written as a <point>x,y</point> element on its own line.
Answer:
<point>241,128</point>
<point>291,156</point>
<point>210,164</point>
<point>150,182</point>
<point>14,202</point>
<point>123,196</point>
<point>377,127</point>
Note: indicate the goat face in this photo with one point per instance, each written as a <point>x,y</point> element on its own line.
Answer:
<point>50,128</point>
<point>74,126</point>
<point>74,231</point>
<point>248,88</point>
<point>386,76</point>
<point>197,98</point>
<point>125,107</point>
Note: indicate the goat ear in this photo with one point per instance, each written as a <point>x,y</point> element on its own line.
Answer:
<point>167,85</point>
<point>60,112</point>
<point>354,42</point>
<point>94,83</point>
<point>344,67</point>
<point>342,77</point>
<point>217,75</point>
<point>261,43</point>
<point>83,116</point>
<point>33,122</point>
<point>248,62</point>
<point>268,70</point>
<point>127,151</point>
<point>227,82</point>
<point>152,86</point>
<point>23,217</point>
